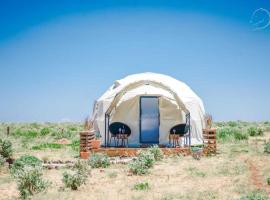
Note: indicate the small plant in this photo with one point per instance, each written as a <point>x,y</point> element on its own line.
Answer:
<point>254,196</point>
<point>25,161</point>
<point>144,161</point>
<point>98,160</point>
<point>268,180</point>
<point>138,167</point>
<point>232,124</point>
<point>47,146</point>
<point>77,178</point>
<point>267,147</point>
<point>6,148</point>
<point>157,152</point>
<point>238,135</point>
<point>254,131</point>
<point>26,133</point>
<point>75,145</point>
<point>147,158</point>
<point>141,186</point>
<point>29,181</point>
<point>44,131</point>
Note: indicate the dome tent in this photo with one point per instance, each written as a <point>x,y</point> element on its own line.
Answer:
<point>149,101</point>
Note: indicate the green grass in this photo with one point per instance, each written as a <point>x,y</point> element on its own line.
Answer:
<point>47,146</point>
<point>141,186</point>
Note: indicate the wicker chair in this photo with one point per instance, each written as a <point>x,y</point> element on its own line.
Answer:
<point>119,133</point>
<point>176,134</point>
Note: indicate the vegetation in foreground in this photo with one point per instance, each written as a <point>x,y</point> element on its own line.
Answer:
<point>228,175</point>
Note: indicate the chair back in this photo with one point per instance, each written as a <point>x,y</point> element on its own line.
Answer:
<point>180,129</point>
<point>119,127</point>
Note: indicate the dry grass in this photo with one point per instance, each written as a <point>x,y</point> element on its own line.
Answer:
<point>225,176</point>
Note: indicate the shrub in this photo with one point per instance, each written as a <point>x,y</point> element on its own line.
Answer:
<point>44,131</point>
<point>6,149</point>
<point>228,134</point>
<point>157,152</point>
<point>254,131</point>
<point>47,146</point>
<point>141,186</point>
<point>98,160</point>
<point>27,134</point>
<point>75,145</point>
<point>267,147</point>
<point>232,124</point>
<point>138,167</point>
<point>147,158</point>
<point>225,134</point>
<point>25,161</point>
<point>76,179</point>
<point>29,181</point>
<point>254,196</point>
<point>144,161</point>
<point>238,135</point>
<point>268,180</point>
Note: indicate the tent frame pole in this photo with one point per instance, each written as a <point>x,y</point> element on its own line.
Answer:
<point>105,123</point>
<point>188,139</point>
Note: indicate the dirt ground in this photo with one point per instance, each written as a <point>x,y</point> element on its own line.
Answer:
<point>237,169</point>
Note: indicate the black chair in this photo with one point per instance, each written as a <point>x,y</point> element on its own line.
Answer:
<point>177,132</point>
<point>119,132</point>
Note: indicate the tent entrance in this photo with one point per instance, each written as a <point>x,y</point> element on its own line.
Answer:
<point>149,120</point>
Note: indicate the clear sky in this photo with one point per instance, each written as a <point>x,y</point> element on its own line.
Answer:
<point>57,57</point>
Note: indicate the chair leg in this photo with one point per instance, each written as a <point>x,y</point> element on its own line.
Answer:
<point>115,141</point>
<point>110,141</point>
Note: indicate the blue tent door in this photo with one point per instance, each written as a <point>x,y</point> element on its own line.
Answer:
<point>149,120</point>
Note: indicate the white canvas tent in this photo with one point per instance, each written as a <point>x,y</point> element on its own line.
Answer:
<point>175,100</point>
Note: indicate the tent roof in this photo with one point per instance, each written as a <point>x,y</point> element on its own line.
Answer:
<point>183,91</point>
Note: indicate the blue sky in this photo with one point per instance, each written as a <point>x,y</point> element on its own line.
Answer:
<point>57,57</point>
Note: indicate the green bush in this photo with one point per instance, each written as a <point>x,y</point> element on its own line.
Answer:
<point>6,148</point>
<point>143,162</point>
<point>238,135</point>
<point>26,133</point>
<point>225,134</point>
<point>232,124</point>
<point>254,131</point>
<point>47,146</point>
<point>75,145</point>
<point>77,178</point>
<point>147,158</point>
<point>268,180</point>
<point>99,160</point>
<point>138,167</point>
<point>29,181</point>
<point>157,152</point>
<point>44,131</point>
<point>25,161</point>
<point>141,186</point>
<point>267,147</point>
<point>254,196</point>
